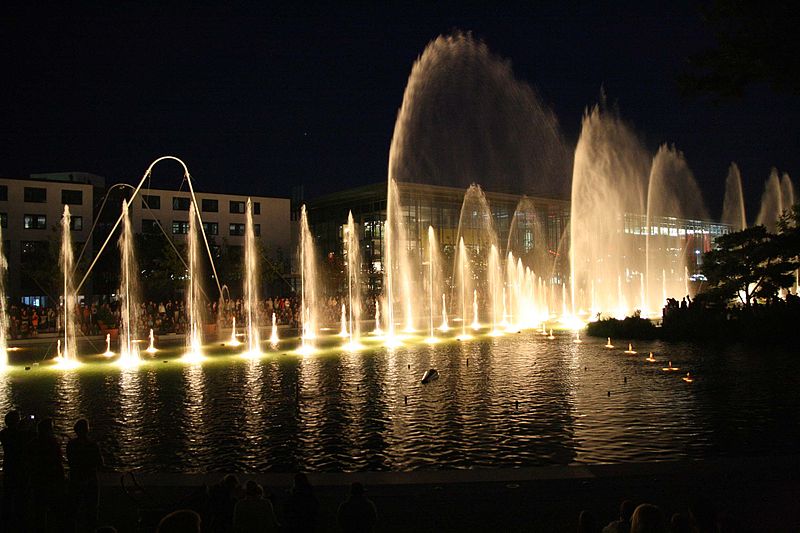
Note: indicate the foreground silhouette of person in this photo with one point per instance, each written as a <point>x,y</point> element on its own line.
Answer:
<point>647,518</point>
<point>357,514</point>
<point>180,521</point>
<point>222,498</point>
<point>254,513</point>
<point>84,460</point>
<point>302,508</point>
<point>623,523</point>
<point>587,522</point>
<point>15,438</point>
<point>47,478</point>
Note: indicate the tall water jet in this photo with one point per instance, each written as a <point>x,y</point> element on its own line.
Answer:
<point>672,193</point>
<point>194,306</point>
<point>129,293</point>
<point>353,256</point>
<point>3,310</point>
<point>463,285</point>
<point>495,293</point>
<point>273,336</point>
<point>771,203</point>
<point>527,239</point>
<point>609,181</point>
<point>787,192</point>
<point>69,350</point>
<point>343,329</point>
<point>397,264</point>
<point>308,285</point>
<point>733,211</point>
<point>251,284</point>
<point>434,284</point>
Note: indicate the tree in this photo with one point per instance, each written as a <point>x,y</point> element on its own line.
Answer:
<point>749,265</point>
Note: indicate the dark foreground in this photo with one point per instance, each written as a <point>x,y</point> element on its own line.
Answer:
<point>750,494</point>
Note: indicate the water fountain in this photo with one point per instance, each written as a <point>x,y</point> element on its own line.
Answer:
<point>377,331</point>
<point>353,257</point>
<point>128,291</point>
<point>152,348</point>
<point>308,286</point>
<point>463,286</point>
<point>273,336</point>
<point>733,211</point>
<point>251,284</point>
<point>194,339</point>
<point>444,327</point>
<point>343,328</point>
<point>3,310</point>
<point>109,352</point>
<point>771,203</point>
<point>68,356</point>
<point>234,340</point>
<point>434,285</point>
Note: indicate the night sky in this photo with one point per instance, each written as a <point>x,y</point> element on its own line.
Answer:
<point>257,99</point>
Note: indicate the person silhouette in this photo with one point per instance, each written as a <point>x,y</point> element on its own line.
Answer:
<point>357,514</point>
<point>15,439</point>
<point>302,508</point>
<point>84,460</point>
<point>253,512</point>
<point>47,478</point>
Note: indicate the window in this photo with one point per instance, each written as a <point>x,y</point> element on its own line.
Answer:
<point>211,228</point>
<point>153,201</point>
<point>76,223</point>
<point>149,225</point>
<point>35,222</point>
<point>210,206</point>
<point>71,197</point>
<point>257,230</point>
<point>256,208</point>
<point>35,195</point>
<point>179,203</point>
<point>180,227</point>
<point>3,220</point>
<point>3,193</point>
<point>237,229</point>
<point>237,207</point>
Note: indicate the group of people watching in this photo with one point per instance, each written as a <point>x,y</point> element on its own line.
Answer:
<point>38,495</point>
<point>700,517</point>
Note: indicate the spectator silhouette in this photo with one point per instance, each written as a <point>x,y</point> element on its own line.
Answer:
<point>180,521</point>
<point>302,507</point>
<point>703,516</point>
<point>15,439</point>
<point>222,498</point>
<point>587,523</point>
<point>357,514</point>
<point>679,523</point>
<point>47,478</point>
<point>254,512</point>
<point>84,459</point>
<point>647,518</point>
<point>623,524</point>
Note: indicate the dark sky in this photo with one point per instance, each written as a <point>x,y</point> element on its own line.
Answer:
<point>258,98</point>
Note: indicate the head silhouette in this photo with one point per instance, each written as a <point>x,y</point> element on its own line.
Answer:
<point>81,427</point>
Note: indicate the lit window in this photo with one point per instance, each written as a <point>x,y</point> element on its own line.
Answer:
<point>180,227</point>
<point>35,222</point>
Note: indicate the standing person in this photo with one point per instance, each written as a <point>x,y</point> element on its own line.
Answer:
<point>302,507</point>
<point>357,514</point>
<point>47,478</point>
<point>15,440</point>
<point>84,460</point>
<point>254,513</point>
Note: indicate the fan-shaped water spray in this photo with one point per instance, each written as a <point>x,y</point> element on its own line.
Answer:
<point>733,211</point>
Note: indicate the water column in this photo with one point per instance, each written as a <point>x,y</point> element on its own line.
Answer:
<point>251,284</point>
<point>69,349</point>
<point>308,286</point>
<point>433,289</point>
<point>351,248</point>
<point>194,339</point>
<point>129,350</point>
<point>3,310</point>
<point>495,290</point>
<point>463,283</point>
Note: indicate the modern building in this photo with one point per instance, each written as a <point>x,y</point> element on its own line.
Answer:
<point>31,213</point>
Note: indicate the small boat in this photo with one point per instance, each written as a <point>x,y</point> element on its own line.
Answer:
<point>430,375</point>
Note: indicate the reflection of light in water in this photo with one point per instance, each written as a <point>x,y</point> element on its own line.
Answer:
<point>252,399</point>
<point>69,393</point>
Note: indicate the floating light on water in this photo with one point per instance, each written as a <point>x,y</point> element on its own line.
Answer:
<point>577,337</point>
<point>551,337</point>
<point>650,358</point>
<point>670,368</point>
<point>630,350</point>
<point>688,378</point>
<point>608,343</point>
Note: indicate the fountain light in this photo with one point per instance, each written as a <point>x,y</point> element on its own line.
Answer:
<point>496,333</point>
<point>464,337</point>
<point>152,348</point>
<point>63,363</point>
<point>393,341</point>
<point>108,352</point>
<point>577,339</point>
<point>688,378</point>
<point>273,336</point>
<point>630,350</point>
<point>551,337</point>
<point>670,368</point>
<point>650,358</point>
<point>608,343</point>
<point>234,341</point>
<point>432,340</point>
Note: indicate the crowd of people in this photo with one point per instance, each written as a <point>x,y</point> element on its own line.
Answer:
<point>700,517</point>
<point>165,317</point>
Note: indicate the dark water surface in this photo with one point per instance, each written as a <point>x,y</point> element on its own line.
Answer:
<point>338,411</point>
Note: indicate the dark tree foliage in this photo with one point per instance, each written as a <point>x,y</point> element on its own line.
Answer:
<point>756,42</point>
<point>751,265</point>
